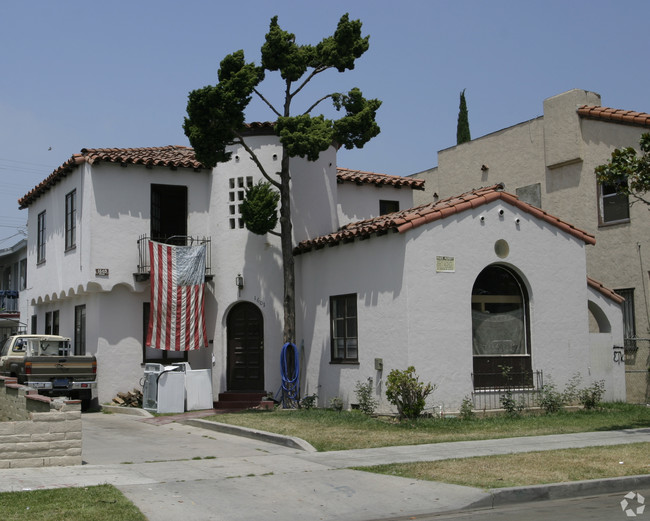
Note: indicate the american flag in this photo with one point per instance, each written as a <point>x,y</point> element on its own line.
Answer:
<point>176,320</point>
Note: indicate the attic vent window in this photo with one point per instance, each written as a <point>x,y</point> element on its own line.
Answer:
<point>237,192</point>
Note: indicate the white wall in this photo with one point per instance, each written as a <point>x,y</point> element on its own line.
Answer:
<point>411,315</point>
<point>359,202</point>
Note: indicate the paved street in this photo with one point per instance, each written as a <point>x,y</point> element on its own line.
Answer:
<point>175,470</point>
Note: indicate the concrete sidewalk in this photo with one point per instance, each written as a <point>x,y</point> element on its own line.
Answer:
<point>174,470</point>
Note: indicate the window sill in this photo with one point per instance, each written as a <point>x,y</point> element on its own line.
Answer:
<point>71,248</point>
<point>344,362</point>
<point>607,224</point>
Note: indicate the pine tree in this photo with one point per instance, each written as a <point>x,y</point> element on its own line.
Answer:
<point>462,130</point>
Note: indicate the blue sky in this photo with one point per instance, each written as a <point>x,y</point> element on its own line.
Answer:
<point>83,74</point>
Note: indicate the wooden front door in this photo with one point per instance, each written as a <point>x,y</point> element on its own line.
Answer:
<point>245,348</point>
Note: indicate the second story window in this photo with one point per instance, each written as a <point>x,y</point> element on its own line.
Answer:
<point>388,207</point>
<point>40,238</point>
<point>168,213</point>
<point>236,194</point>
<point>613,207</point>
<point>71,220</point>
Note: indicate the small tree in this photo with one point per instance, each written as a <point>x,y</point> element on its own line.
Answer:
<point>628,172</point>
<point>366,397</point>
<point>215,120</point>
<point>462,129</point>
<point>405,391</point>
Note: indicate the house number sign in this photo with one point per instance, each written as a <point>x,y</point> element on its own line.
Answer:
<point>101,272</point>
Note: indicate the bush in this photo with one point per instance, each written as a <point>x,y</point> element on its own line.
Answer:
<point>512,408</point>
<point>466,409</point>
<point>365,397</point>
<point>309,402</point>
<point>551,400</point>
<point>590,396</point>
<point>336,403</point>
<point>407,393</point>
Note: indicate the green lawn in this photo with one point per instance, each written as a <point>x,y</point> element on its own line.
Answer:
<point>329,430</point>
<point>101,503</point>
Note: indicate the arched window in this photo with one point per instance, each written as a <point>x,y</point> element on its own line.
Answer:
<point>500,339</point>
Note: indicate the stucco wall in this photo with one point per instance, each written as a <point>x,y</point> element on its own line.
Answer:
<point>409,314</point>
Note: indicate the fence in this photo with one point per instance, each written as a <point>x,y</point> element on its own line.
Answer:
<point>637,376</point>
<point>144,263</point>
<point>487,396</point>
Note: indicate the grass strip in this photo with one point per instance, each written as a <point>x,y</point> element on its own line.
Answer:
<point>99,503</point>
<point>530,468</point>
<point>330,430</point>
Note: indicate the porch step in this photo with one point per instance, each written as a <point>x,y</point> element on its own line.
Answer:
<point>239,401</point>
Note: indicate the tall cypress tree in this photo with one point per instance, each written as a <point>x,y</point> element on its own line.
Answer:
<point>462,130</point>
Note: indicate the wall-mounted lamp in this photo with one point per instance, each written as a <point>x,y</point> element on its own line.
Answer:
<point>239,281</point>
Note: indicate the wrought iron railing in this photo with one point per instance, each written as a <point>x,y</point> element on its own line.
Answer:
<point>523,387</point>
<point>144,262</point>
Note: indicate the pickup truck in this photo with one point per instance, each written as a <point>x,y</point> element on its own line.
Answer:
<point>45,362</point>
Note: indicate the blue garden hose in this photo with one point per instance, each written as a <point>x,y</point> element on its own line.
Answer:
<point>290,376</point>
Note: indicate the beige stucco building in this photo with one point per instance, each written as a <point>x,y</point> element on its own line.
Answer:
<point>549,161</point>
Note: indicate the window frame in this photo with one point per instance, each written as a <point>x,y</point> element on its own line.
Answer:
<point>80,329</point>
<point>487,372</point>
<point>387,206</point>
<point>348,318</point>
<point>71,220</point>
<point>40,238</point>
<point>603,198</point>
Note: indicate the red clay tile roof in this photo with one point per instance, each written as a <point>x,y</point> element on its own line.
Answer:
<point>360,177</point>
<point>628,117</point>
<point>610,293</point>
<point>169,156</point>
<point>405,220</point>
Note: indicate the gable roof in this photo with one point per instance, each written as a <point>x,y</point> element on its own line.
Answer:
<point>628,117</point>
<point>169,156</point>
<point>405,220</point>
<point>360,177</point>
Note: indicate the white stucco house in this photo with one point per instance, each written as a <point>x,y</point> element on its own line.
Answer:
<point>456,288</point>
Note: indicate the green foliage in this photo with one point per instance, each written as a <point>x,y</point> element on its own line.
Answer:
<point>259,210</point>
<point>627,171</point>
<point>336,403</point>
<point>462,129</point>
<point>551,400</point>
<point>407,393</point>
<point>309,402</point>
<point>591,396</point>
<point>366,397</point>
<point>512,407</point>
<point>467,409</point>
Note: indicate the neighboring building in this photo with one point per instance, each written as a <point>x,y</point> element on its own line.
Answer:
<point>364,307</point>
<point>549,162</point>
<point>13,270</point>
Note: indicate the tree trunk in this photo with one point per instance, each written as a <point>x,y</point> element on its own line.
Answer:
<point>289,331</point>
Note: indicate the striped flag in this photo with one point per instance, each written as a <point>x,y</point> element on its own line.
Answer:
<point>176,320</point>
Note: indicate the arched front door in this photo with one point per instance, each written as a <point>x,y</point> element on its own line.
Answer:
<point>245,326</point>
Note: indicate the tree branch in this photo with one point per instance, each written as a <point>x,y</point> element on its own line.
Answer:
<point>251,153</point>
<point>268,103</point>
<point>316,103</point>
<point>317,70</point>
<point>273,232</point>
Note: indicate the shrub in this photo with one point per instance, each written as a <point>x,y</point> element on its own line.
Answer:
<point>512,407</point>
<point>466,409</point>
<point>365,397</point>
<point>407,393</point>
<point>336,403</point>
<point>551,400</point>
<point>590,396</point>
<point>309,402</point>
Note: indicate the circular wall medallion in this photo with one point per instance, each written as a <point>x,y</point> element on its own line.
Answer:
<point>501,248</point>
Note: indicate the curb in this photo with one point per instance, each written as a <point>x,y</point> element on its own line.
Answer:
<point>133,411</point>
<point>278,439</point>
<point>509,496</point>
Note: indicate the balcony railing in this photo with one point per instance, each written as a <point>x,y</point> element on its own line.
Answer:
<point>144,262</point>
<point>8,301</point>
